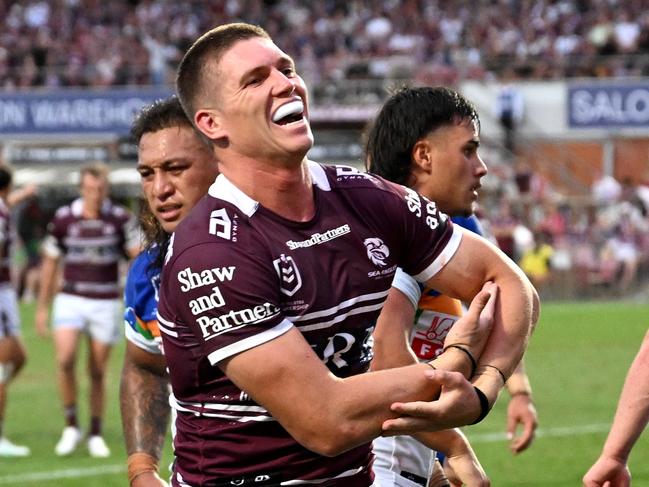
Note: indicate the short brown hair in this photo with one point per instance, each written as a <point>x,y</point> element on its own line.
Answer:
<point>95,169</point>
<point>194,67</point>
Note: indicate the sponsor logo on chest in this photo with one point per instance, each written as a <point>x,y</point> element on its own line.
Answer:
<point>191,280</point>
<point>212,326</point>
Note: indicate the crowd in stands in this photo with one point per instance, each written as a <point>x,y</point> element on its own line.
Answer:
<point>95,43</point>
<point>596,247</point>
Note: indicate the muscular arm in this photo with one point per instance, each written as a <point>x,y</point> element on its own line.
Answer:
<point>630,420</point>
<point>327,414</point>
<point>144,401</point>
<point>475,262</point>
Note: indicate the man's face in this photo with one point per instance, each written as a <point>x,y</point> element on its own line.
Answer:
<point>456,168</point>
<point>261,102</point>
<point>93,191</point>
<point>176,169</point>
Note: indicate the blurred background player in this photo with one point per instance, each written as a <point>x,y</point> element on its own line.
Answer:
<point>176,168</point>
<point>428,139</point>
<point>12,351</point>
<point>91,235</point>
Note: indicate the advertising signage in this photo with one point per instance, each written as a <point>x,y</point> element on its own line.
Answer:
<point>613,105</point>
<point>73,111</point>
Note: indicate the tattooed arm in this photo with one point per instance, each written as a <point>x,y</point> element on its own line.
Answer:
<point>144,395</point>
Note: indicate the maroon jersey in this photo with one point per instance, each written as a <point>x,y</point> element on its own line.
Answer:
<point>238,275</point>
<point>91,248</point>
<point>6,237</point>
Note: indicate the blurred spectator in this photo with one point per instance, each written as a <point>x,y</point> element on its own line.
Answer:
<point>605,189</point>
<point>536,262</point>
<point>508,110</point>
<point>502,226</point>
<point>31,227</point>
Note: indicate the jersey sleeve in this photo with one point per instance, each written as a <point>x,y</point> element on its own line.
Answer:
<point>140,305</point>
<point>52,243</point>
<point>408,286</point>
<point>427,237</point>
<point>226,295</point>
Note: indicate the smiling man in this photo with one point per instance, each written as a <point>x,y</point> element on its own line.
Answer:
<point>269,380</point>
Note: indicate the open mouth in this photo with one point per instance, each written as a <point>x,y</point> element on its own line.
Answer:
<point>289,113</point>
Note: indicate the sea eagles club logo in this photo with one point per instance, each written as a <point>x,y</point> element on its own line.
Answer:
<point>377,251</point>
<point>289,275</point>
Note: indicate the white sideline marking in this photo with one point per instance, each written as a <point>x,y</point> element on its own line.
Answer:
<point>113,469</point>
<point>544,433</point>
<point>69,473</point>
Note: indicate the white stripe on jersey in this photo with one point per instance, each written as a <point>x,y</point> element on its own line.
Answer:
<point>346,473</point>
<point>165,325</point>
<point>333,310</point>
<point>443,258</point>
<point>104,240</point>
<point>339,318</point>
<point>250,342</point>
<point>199,409</point>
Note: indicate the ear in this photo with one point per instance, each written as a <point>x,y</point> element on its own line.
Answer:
<point>422,156</point>
<point>209,123</point>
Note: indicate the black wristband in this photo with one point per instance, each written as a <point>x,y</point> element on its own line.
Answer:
<point>468,354</point>
<point>484,405</point>
<point>502,376</point>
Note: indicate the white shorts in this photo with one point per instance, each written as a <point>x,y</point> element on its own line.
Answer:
<point>401,461</point>
<point>9,316</point>
<point>100,318</point>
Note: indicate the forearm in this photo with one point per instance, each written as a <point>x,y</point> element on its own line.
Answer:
<point>518,382</point>
<point>632,412</point>
<point>515,315</point>
<point>48,276</point>
<point>324,413</point>
<point>144,396</point>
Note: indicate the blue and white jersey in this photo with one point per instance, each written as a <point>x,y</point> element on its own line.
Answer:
<point>141,303</point>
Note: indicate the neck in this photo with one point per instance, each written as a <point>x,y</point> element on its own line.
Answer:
<point>286,190</point>
<point>90,211</point>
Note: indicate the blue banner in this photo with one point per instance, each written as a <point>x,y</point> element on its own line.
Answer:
<point>74,111</point>
<point>608,105</point>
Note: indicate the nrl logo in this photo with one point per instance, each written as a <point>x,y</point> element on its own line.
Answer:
<point>289,275</point>
<point>377,251</point>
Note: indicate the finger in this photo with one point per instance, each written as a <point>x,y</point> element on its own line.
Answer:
<point>511,426</point>
<point>480,300</point>
<point>490,308</point>
<point>525,439</point>
<point>417,409</point>
<point>406,425</point>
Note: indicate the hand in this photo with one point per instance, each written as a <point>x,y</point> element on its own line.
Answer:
<point>465,469</point>
<point>472,330</point>
<point>148,479</point>
<point>608,472</point>
<point>41,322</point>
<point>457,405</point>
<point>521,410</point>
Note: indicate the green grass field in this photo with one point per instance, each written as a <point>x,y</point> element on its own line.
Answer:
<point>577,361</point>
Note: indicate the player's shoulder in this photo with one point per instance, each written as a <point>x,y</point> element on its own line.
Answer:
<point>349,180</point>
<point>63,212</point>
<point>142,265</point>
<point>112,210</point>
<point>221,219</point>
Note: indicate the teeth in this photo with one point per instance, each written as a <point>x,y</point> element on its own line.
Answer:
<point>292,108</point>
